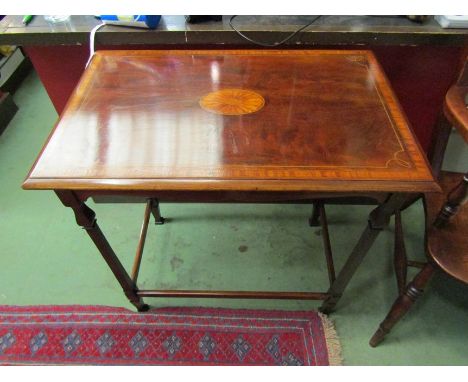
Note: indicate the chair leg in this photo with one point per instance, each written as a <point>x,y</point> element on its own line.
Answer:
<point>403,303</point>
<point>455,199</point>
<point>314,220</point>
<point>399,259</point>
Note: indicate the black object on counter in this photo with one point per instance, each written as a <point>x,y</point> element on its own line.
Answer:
<point>201,19</point>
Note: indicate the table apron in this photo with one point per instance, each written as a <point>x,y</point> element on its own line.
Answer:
<point>231,197</point>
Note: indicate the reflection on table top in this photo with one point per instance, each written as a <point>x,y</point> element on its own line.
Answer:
<point>233,120</point>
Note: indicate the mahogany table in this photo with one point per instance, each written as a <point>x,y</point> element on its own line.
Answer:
<point>232,126</point>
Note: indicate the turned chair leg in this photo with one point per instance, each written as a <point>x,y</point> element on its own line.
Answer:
<point>403,303</point>
<point>455,199</point>
<point>314,220</point>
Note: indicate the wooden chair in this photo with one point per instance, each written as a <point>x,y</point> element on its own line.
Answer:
<point>446,236</point>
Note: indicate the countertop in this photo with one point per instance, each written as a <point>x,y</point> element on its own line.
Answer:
<point>173,30</point>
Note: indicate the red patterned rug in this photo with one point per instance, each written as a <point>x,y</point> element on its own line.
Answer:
<point>95,335</point>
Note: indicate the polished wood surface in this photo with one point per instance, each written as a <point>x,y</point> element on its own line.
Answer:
<point>236,126</point>
<point>448,245</point>
<point>447,240</point>
<point>446,215</point>
<point>455,106</point>
<point>330,122</point>
<point>446,248</point>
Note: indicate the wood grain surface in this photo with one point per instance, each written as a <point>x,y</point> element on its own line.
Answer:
<point>455,106</point>
<point>329,122</point>
<point>232,102</point>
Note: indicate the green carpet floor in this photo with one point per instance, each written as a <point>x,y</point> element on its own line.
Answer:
<point>46,259</point>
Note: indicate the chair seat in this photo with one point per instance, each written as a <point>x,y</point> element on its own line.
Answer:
<point>448,246</point>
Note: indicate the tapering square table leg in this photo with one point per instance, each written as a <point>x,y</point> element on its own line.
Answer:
<point>155,210</point>
<point>86,218</point>
<point>314,220</point>
<point>378,220</point>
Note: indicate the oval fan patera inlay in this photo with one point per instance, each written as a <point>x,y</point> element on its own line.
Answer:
<point>232,102</point>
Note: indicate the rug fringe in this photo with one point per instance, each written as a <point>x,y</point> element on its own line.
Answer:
<point>333,342</point>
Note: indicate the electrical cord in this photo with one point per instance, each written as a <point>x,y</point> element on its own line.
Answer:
<point>275,43</point>
<point>92,37</point>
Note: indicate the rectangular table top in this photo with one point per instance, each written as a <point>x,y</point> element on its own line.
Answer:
<point>266,120</point>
